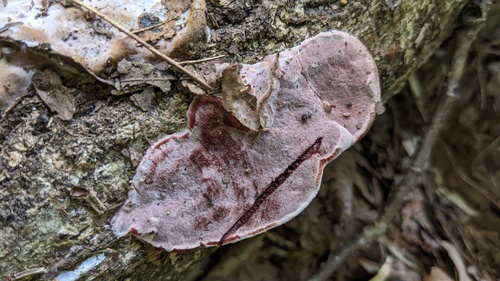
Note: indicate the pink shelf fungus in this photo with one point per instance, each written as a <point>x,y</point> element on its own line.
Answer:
<point>253,158</point>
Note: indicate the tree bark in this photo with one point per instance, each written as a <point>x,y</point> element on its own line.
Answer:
<point>44,159</point>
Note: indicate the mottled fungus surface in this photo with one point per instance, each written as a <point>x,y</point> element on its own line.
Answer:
<point>253,158</point>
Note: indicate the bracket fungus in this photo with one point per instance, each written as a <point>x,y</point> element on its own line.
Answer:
<point>253,159</point>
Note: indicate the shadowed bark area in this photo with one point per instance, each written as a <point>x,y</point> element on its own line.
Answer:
<point>62,181</point>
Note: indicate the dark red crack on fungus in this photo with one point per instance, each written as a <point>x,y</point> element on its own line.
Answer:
<point>252,158</point>
<point>314,148</point>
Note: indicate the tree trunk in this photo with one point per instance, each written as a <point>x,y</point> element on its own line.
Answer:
<point>47,163</point>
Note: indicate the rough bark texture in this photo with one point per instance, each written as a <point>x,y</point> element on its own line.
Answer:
<point>43,159</point>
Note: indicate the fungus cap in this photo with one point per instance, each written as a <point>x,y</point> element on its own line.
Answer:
<point>224,178</point>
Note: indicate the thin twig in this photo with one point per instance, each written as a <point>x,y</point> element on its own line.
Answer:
<point>465,37</point>
<point>29,272</point>
<point>153,26</point>
<point>201,60</point>
<point>146,80</point>
<point>145,44</point>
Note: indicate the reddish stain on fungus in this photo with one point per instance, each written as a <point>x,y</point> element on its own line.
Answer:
<point>252,158</point>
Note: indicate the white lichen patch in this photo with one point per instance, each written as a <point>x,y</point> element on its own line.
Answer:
<point>91,41</point>
<point>68,34</point>
<point>84,267</point>
<point>72,32</point>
